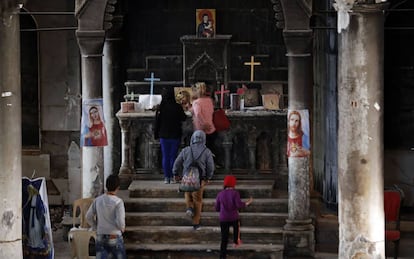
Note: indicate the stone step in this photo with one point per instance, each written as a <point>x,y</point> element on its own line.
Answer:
<point>157,189</point>
<point>276,205</point>
<point>205,251</point>
<point>280,180</point>
<point>208,219</point>
<point>219,174</point>
<point>204,235</point>
<point>214,181</point>
<point>157,226</point>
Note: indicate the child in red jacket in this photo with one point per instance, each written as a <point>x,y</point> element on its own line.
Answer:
<point>228,203</point>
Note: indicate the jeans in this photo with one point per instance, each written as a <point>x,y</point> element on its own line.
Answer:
<point>169,149</point>
<point>110,245</point>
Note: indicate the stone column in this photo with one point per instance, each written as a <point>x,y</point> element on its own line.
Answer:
<point>74,172</point>
<point>227,145</point>
<point>153,159</point>
<point>112,82</point>
<point>276,151</point>
<point>252,158</point>
<point>10,132</point>
<point>251,145</point>
<point>360,134</point>
<point>125,125</point>
<point>283,149</point>
<point>91,46</point>
<point>298,232</point>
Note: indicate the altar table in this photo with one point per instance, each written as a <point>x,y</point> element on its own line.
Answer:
<point>255,142</point>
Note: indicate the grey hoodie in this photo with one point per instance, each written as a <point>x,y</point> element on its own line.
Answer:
<point>197,146</point>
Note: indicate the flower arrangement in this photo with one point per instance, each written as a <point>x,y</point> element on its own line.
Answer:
<point>241,91</point>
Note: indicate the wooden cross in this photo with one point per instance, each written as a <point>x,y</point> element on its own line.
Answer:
<point>222,92</point>
<point>252,64</point>
<point>152,79</point>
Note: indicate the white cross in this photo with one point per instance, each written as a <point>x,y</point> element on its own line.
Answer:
<point>152,79</point>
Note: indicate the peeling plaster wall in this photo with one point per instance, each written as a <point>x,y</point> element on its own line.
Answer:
<point>59,88</point>
<point>59,71</point>
<point>360,136</point>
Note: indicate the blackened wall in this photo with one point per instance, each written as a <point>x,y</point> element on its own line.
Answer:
<point>153,30</point>
<point>399,76</point>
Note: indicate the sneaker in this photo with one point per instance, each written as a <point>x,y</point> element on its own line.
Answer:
<point>172,180</point>
<point>189,212</point>
<point>196,227</point>
<point>166,180</point>
<point>177,179</point>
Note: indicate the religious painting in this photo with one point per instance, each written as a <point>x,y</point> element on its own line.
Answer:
<point>271,101</point>
<point>206,23</point>
<point>251,97</point>
<point>184,96</point>
<point>93,131</point>
<point>298,144</point>
<point>272,88</point>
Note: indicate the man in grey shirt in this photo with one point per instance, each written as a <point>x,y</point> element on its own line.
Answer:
<point>107,216</point>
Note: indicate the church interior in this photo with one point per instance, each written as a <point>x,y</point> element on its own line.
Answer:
<point>354,81</point>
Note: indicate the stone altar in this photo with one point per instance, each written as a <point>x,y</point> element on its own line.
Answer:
<point>255,142</point>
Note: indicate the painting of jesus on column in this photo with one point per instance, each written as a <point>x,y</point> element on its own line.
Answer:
<point>298,144</point>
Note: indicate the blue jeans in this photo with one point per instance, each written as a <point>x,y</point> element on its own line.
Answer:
<point>110,245</point>
<point>169,149</point>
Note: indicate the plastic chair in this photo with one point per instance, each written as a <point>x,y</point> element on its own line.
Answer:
<point>83,206</point>
<point>79,241</point>
<point>392,205</point>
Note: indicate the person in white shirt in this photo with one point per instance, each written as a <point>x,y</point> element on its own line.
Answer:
<point>107,216</point>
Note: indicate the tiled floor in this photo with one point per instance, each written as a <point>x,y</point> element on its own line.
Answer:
<point>62,248</point>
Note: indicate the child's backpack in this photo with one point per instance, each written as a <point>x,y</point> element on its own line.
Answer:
<point>191,181</point>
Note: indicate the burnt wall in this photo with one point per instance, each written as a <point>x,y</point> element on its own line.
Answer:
<point>153,30</point>
<point>399,76</point>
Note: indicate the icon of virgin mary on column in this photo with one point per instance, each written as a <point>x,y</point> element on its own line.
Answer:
<point>93,132</point>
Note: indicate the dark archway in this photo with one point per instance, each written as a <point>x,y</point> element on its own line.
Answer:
<point>29,82</point>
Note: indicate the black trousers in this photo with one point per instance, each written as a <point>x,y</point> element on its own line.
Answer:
<point>225,228</point>
<point>210,142</point>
